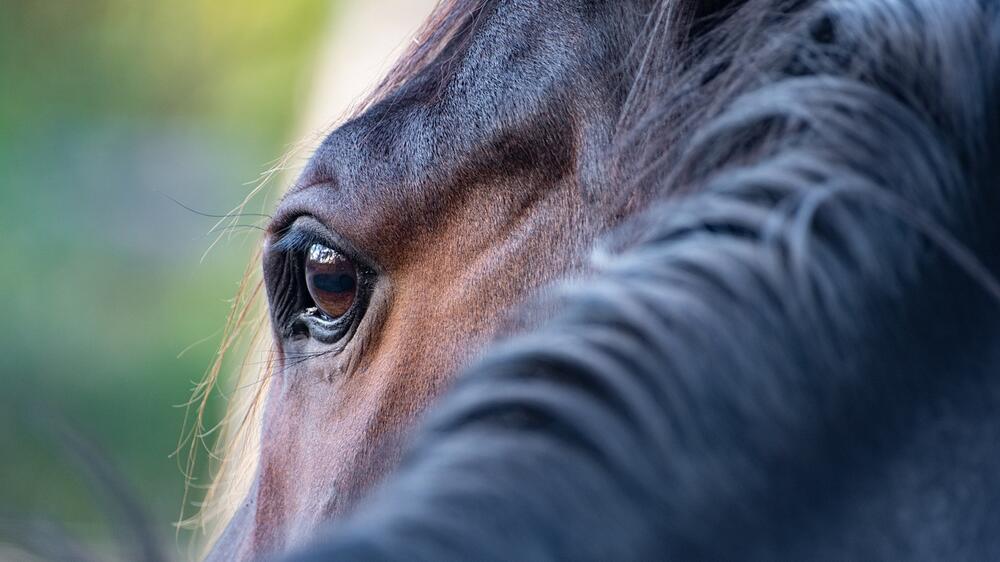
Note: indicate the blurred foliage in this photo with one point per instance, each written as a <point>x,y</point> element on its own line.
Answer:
<point>220,63</point>
<point>105,106</point>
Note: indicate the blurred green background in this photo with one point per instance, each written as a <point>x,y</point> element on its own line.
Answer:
<point>105,106</point>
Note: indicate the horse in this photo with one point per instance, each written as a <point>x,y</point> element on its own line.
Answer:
<point>695,279</point>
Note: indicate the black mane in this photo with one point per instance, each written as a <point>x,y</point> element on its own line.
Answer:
<point>789,354</point>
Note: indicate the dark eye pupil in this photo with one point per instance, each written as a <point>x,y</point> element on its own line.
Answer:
<point>334,283</point>
<point>332,280</point>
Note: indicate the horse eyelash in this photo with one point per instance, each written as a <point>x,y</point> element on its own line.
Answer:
<point>297,240</point>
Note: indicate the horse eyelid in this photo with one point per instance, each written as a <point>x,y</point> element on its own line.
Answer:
<point>299,240</point>
<point>298,236</point>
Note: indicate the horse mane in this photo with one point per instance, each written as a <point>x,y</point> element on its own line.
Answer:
<point>786,350</point>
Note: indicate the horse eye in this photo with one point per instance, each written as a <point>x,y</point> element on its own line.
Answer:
<point>332,280</point>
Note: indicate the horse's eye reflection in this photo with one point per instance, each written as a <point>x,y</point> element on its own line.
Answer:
<point>332,280</point>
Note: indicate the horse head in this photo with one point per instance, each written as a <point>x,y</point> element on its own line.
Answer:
<point>788,352</point>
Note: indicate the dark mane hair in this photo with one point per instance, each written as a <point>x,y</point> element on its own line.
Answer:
<point>789,354</point>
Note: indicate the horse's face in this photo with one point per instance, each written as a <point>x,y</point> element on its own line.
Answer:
<point>414,231</point>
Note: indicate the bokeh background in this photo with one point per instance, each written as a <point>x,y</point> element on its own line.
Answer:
<point>114,116</point>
